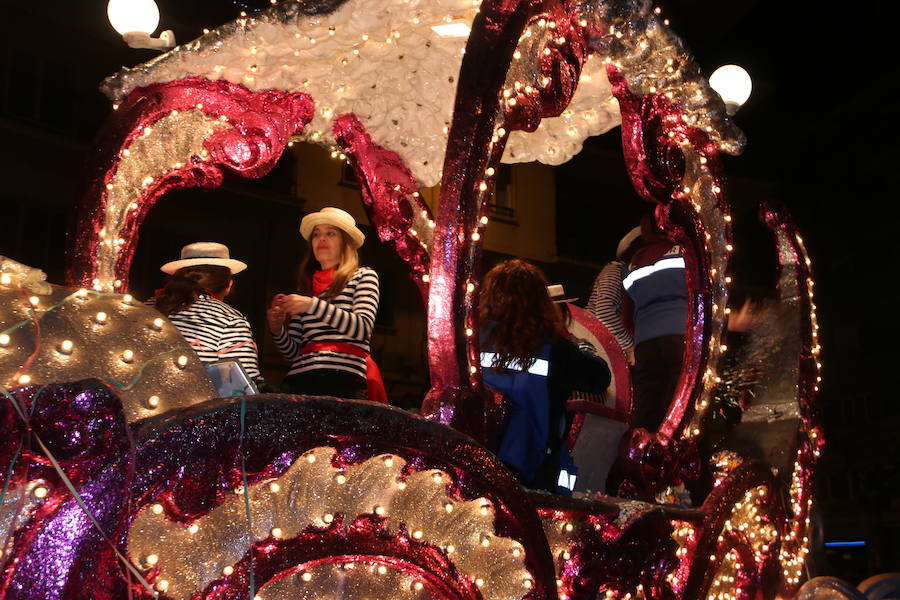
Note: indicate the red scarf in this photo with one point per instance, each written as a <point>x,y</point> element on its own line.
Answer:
<point>321,280</point>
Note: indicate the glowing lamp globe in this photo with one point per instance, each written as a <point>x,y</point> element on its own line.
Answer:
<point>127,16</point>
<point>733,84</point>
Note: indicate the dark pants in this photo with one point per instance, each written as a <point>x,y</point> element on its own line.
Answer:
<point>657,368</point>
<point>326,382</point>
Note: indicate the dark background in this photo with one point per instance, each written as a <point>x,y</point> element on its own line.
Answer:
<point>821,130</point>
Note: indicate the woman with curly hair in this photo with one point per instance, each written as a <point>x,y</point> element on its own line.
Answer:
<point>528,355</point>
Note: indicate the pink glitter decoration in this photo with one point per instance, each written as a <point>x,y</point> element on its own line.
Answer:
<point>261,124</point>
<point>390,195</point>
<point>476,143</point>
<point>652,131</point>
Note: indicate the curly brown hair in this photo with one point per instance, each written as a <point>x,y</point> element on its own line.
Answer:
<point>514,299</point>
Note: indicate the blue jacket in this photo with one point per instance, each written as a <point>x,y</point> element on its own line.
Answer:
<point>655,282</point>
<point>532,442</point>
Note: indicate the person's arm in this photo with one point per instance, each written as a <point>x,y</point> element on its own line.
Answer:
<point>358,322</point>
<point>288,342</point>
<point>606,302</point>
<point>581,371</point>
<point>237,344</point>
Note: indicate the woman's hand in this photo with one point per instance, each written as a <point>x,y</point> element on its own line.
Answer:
<point>295,304</point>
<point>276,314</point>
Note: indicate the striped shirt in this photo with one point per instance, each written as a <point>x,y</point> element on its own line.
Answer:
<point>606,302</point>
<point>349,317</point>
<point>216,332</point>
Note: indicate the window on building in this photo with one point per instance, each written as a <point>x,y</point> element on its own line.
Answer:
<point>503,206</point>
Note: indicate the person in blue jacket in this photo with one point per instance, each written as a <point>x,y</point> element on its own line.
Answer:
<point>655,282</point>
<point>526,353</point>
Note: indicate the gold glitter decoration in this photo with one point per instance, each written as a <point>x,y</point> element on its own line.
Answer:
<point>70,335</point>
<point>704,193</point>
<point>559,537</point>
<point>313,493</point>
<point>346,580</point>
<point>685,536</point>
<point>169,144</point>
<point>748,522</point>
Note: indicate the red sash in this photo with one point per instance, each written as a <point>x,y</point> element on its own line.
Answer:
<point>374,384</point>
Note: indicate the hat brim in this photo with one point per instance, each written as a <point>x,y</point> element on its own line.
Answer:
<point>563,300</point>
<point>235,266</point>
<point>627,240</point>
<point>310,221</point>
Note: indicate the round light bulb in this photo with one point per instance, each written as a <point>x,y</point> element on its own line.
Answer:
<point>128,16</point>
<point>4,339</point>
<point>66,346</point>
<point>733,84</point>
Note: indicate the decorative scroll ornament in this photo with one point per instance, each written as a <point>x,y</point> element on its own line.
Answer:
<point>391,198</point>
<point>237,495</point>
<point>70,335</point>
<point>796,288</point>
<point>168,136</point>
<point>313,501</point>
<point>677,166</point>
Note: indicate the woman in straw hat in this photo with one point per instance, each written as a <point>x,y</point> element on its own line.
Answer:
<point>193,297</point>
<point>331,320</point>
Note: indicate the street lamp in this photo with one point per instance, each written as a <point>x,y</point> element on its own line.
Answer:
<point>135,20</point>
<point>733,85</point>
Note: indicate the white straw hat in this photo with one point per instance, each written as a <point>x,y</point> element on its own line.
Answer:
<point>558,294</point>
<point>626,241</point>
<point>204,253</point>
<point>336,217</point>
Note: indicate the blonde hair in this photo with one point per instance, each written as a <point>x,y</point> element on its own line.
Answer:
<point>348,265</point>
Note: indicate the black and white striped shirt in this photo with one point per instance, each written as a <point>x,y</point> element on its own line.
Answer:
<point>216,332</point>
<point>606,301</point>
<point>349,317</point>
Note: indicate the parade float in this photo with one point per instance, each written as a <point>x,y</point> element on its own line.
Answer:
<point>126,477</point>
